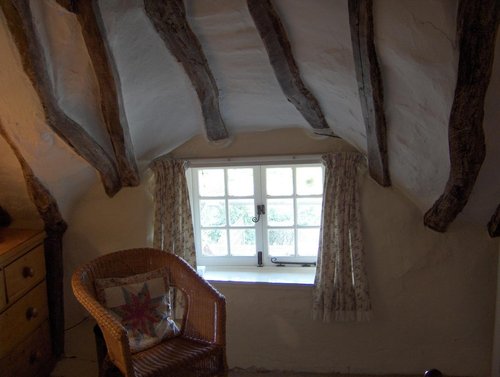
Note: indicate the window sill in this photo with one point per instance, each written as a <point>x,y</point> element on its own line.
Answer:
<point>266,275</point>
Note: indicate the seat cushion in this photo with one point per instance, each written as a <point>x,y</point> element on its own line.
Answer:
<point>142,304</point>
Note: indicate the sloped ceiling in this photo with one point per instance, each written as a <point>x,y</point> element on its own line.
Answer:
<point>417,52</point>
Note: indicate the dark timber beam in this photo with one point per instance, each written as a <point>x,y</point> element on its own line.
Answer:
<point>278,48</point>
<point>494,224</point>
<point>371,91</point>
<point>477,24</point>
<point>20,23</point>
<point>169,19</point>
<point>90,19</point>
<point>55,227</point>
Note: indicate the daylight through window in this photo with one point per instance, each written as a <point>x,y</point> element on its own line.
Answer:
<point>225,203</point>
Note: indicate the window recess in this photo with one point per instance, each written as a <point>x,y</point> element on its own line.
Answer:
<point>241,208</point>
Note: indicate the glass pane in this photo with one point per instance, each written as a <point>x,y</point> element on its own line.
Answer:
<point>240,182</point>
<point>279,181</point>
<point>211,182</point>
<point>212,213</point>
<point>242,242</point>
<point>214,242</point>
<point>307,243</point>
<point>309,211</point>
<point>310,180</point>
<point>241,212</point>
<point>280,212</point>
<point>281,242</point>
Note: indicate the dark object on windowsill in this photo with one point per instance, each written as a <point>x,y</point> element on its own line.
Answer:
<point>433,373</point>
<point>259,259</point>
<point>5,218</point>
<point>283,264</point>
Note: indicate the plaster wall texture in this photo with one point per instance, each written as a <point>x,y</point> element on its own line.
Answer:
<point>433,294</point>
<point>417,53</point>
<point>433,300</point>
<point>60,169</point>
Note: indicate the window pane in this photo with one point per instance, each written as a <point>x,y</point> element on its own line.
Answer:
<point>281,242</point>
<point>310,180</point>
<point>240,182</point>
<point>242,242</point>
<point>241,212</point>
<point>212,213</point>
<point>211,182</point>
<point>214,242</point>
<point>279,181</point>
<point>309,211</point>
<point>307,243</point>
<point>280,212</point>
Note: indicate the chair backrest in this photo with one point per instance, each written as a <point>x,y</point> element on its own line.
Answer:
<point>205,314</point>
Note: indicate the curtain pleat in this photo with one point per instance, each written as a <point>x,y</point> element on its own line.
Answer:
<point>173,224</point>
<point>341,288</point>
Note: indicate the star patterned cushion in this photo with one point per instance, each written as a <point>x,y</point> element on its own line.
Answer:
<point>142,303</point>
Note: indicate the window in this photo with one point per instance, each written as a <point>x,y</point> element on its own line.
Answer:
<point>228,230</point>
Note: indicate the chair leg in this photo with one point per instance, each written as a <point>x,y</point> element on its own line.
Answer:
<point>105,366</point>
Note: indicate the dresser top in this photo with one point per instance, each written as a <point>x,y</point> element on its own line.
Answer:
<point>14,241</point>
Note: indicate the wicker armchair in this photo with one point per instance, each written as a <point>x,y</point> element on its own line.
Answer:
<point>200,349</point>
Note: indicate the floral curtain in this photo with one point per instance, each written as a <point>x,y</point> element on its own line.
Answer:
<point>341,287</point>
<point>173,224</point>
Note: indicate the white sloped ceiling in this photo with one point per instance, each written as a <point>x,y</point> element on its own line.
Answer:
<point>417,53</point>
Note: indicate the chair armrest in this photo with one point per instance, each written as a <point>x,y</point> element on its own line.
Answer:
<point>206,309</point>
<point>113,331</point>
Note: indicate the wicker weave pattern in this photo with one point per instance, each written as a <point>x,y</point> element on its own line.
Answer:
<point>200,350</point>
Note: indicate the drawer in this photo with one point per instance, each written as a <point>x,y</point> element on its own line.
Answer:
<point>24,273</point>
<point>23,318</point>
<point>3,300</point>
<point>30,357</point>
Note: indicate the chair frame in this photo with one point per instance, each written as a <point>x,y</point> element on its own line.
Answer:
<point>204,321</point>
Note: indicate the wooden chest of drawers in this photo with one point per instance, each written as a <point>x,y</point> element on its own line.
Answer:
<point>25,346</point>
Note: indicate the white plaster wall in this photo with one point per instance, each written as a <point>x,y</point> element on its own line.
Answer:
<point>99,225</point>
<point>433,299</point>
<point>433,294</point>
<point>14,196</point>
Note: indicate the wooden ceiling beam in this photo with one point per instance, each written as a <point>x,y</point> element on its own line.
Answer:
<point>477,24</point>
<point>273,34</point>
<point>494,224</point>
<point>19,19</point>
<point>169,19</point>
<point>55,226</point>
<point>370,86</point>
<point>90,19</point>
<point>42,199</point>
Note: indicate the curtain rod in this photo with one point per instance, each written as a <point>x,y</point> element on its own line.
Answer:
<point>261,160</point>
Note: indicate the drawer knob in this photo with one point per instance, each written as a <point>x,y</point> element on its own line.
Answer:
<point>31,313</point>
<point>28,272</point>
<point>35,356</point>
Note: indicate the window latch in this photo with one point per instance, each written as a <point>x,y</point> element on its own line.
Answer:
<point>261,210</point>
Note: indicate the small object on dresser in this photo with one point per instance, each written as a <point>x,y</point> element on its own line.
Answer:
<point>5,218</point>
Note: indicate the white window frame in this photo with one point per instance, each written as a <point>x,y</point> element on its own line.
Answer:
<point>259,187</point>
